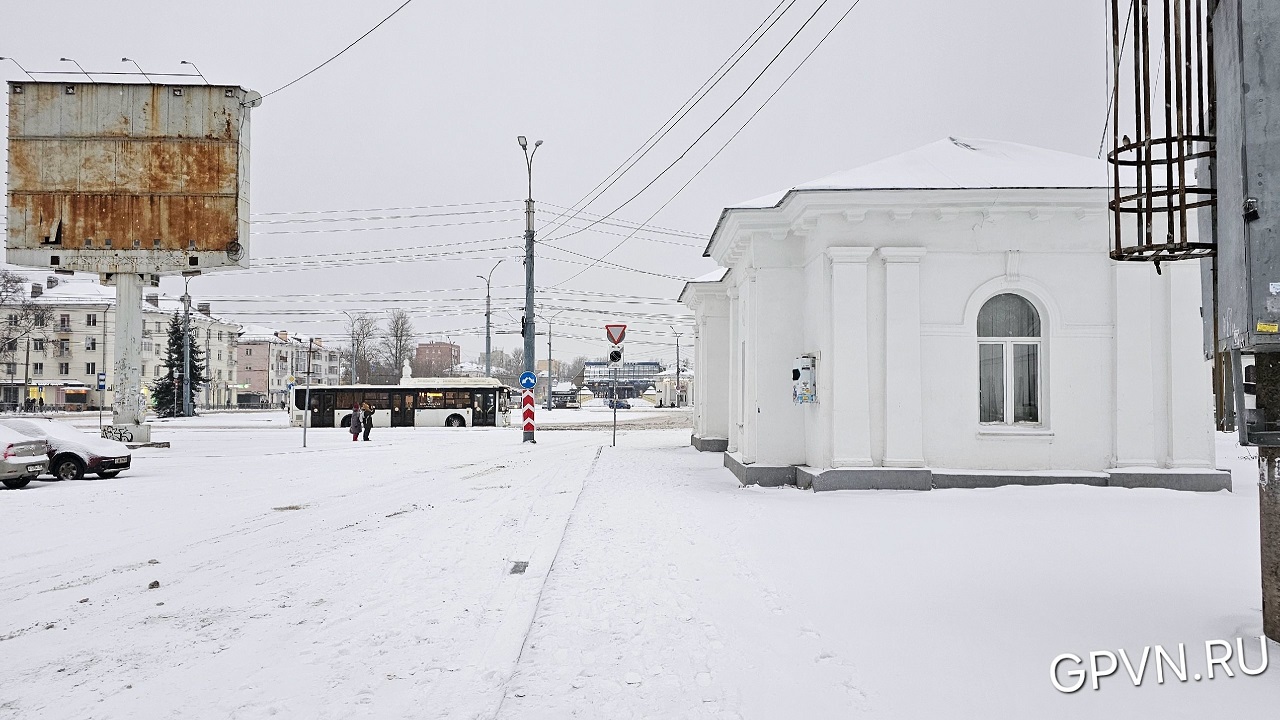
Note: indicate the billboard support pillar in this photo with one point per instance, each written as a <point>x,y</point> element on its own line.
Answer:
<point>128,405</point>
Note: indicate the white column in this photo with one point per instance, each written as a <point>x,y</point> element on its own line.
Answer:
<point>127,404</point>
<point>904,426</point>
<point>1135,397</point>
<point>850,391</point>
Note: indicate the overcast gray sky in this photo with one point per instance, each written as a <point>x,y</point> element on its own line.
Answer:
<point>425,111</point>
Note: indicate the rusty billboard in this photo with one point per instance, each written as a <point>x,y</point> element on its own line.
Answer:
<point>128,178</point>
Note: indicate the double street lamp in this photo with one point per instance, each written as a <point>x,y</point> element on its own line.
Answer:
<point>526,325</point>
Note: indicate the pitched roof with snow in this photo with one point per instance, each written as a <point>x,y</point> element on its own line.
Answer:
<point>960,164</point>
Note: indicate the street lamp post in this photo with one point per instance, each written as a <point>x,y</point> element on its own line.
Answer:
<point>527,328</point>
<point>306,403</point>
<point>673,329</point>
<point>488,311</point>
<point>351,370</point>
<point>549,374</point>
<point>186,347</point>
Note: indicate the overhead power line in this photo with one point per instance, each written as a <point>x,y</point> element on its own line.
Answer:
<point>386,209</point>
<point>737,132</point>
<point>713,124</point>
<point>340,52</point>
<point>683,111</point>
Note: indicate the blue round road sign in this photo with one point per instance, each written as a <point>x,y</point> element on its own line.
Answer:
<point>528,380</point>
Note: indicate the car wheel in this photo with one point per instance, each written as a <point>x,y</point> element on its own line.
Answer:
<point>68,467</point>
<point>17,483</point>
<point>107,474</point>
<point>455,421</point>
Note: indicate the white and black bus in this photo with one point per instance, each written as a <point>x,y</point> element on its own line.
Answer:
<point>426,402</point>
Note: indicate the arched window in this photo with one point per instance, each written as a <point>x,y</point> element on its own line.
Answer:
<point>1009,361</point>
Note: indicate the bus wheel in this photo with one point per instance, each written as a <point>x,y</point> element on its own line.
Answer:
<point>455,421</point>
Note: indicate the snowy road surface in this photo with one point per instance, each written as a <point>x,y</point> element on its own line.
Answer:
<point>373,580</point>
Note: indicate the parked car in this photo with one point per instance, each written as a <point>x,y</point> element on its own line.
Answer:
<point>24,458</point>
<point>621,404</point>
<point>72,452</point>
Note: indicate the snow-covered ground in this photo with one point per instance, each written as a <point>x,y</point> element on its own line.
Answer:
<point>374,580</point>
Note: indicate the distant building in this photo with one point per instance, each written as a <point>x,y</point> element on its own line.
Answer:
<point>632,378</point>
<point>272,360</point>
<point>434,358</point>
<point>557,368</point>
<point>465,369</point>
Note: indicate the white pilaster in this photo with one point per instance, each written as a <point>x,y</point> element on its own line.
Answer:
<point>1190,413</point>
<point>736,379</point>
<point>904,426</point>
<point>1134,369</point>
<point>850,388</point>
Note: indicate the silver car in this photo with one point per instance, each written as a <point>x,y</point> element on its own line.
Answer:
<point>24,458</point>
<point>73,452</point>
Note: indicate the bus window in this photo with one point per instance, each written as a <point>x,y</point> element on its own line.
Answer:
<point>346,399</point>
<point>430,400</point>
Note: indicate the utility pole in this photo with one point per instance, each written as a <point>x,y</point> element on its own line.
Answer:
<point>673,329</point>
<point>102,394</point>
<point>351,371</point>
<point>306,405</point>
<point>488,312</point>
<point>549,378</point>
<point>527,328</point>
<point>208,332</point>
<point>26,377</point>
<point>186,348</point>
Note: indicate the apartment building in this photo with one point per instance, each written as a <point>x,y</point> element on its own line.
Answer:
<point>60,363</point>
<point>271,361</point>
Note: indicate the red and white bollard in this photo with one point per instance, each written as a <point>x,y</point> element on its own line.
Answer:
<point>526,404</point>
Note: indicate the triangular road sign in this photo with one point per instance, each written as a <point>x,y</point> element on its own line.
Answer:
<point>615,333</point>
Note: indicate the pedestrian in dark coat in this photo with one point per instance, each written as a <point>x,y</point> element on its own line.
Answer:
<point>367,419</point>
<point>356,415</point>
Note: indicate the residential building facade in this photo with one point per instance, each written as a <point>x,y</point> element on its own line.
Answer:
<point>60,362</point>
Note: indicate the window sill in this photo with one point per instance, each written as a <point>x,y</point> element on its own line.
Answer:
<point>995,431</point>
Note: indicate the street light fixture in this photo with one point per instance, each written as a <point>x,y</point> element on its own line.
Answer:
<point>15,62</point>
<point>488,311</point>
<point>86,74</point>
<point>193,67</point>
<point>135,64</point>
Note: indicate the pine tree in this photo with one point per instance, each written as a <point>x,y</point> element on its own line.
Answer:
<point>166,388</point>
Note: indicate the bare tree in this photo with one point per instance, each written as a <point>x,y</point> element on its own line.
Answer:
<point>515,361</point>
<point>573,369</point>
<point>25,319</point>
<point>362,329</point>
<point>398,341</point>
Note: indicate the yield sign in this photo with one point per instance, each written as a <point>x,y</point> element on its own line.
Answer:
<point>615,333</point>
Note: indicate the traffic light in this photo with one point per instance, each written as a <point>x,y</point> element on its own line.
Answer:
<point>615,356</point>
